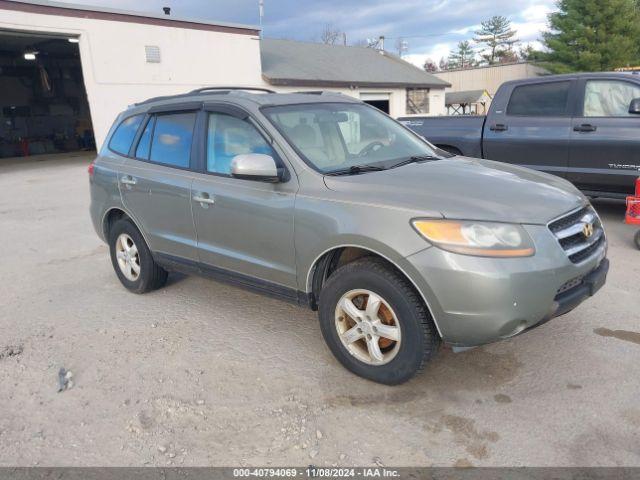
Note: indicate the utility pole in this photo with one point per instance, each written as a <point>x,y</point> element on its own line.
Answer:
<point>261,11</point>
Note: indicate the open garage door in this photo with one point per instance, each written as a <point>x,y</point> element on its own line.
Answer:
<point>378,100</point>
<point>43,101</point>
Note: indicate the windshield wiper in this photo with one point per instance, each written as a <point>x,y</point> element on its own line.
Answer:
<point>355,169</point>
<point>414,159</point>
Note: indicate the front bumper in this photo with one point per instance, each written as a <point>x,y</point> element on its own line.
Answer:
<point>570,299</point>
<point>476,300</point>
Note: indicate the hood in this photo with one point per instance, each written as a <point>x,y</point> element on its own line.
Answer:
<point>466,188</point>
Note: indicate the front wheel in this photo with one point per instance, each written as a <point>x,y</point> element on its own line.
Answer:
<point>375,323</point>
<point>637,239</point>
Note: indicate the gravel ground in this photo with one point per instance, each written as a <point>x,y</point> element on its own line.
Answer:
<point>201,373</point>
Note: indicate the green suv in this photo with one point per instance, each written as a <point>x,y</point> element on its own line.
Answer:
<point>324,201</point>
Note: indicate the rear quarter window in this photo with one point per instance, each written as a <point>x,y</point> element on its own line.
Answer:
<point>549,99</point>
<point>122,138</point>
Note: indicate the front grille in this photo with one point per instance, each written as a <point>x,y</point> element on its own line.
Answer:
<point>569,231</point>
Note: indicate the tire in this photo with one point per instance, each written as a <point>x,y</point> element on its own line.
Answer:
<point>150,275</point>
<point>418,337</point>
<point>637,239</point>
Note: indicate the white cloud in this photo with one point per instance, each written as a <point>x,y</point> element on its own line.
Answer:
<point>536,13</point>
<point>435,53</point>
<point>466,30</point>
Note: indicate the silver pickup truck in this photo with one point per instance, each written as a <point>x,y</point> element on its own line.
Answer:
<point>582,127</point>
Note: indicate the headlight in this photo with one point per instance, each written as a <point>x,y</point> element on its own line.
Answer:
<point>484,239</point>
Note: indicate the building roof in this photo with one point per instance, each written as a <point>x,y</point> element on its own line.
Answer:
<point>493,66</point>
<point>287,62</point>
<point>49,7</point>
<point>465,97</point>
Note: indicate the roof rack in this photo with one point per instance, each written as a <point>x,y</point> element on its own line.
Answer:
<point>202,90</point>
<point>250,89</point>
<point>317,92</point>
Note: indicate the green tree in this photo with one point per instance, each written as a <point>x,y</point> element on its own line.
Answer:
<point>497,36</point>
<point>529,54</point>
<point>592,35</point>
<point>463,57</point>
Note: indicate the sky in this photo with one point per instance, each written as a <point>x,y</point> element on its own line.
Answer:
<point>431,28</point>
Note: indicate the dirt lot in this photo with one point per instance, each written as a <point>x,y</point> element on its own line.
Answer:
<point>201,373</point>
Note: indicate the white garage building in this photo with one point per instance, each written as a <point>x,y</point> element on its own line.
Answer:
<point>66,70</point>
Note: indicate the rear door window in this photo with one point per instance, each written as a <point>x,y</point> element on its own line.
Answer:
<point>122,138</point>
<point>549,99</point>
<point>172,138</point>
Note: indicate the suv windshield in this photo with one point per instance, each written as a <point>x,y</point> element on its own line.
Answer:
<point>334,137</point>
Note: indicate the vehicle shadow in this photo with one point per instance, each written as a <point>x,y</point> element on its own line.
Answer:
<point>175,278</point>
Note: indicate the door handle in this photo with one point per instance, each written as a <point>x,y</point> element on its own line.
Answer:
<point>585,127</point>
<point>498,127</point>
<point>204,200</point>
<point>128,180</point>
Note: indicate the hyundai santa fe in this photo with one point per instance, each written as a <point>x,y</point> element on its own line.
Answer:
<point>324,201</point>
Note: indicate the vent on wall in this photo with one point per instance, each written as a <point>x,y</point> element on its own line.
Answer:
<point>152,52</point>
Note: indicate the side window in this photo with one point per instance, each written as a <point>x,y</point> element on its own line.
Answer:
<point>229,136</point>
<point>171,143</point>
<point>125,132</point>
<point>609,98</point>
<point>144,145</point>
<point>549,99</point>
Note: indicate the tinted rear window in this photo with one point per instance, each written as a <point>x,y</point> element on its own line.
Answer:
<point>540,100</point>
<point>122,138</point>
<point>172,137</point>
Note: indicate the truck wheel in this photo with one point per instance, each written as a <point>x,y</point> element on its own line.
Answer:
<point>375,322</point>
<point>637,239</point>
<point>132,260</point>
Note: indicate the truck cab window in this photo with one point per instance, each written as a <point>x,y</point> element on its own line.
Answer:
<point>540,100</point>
<point>609,98</point>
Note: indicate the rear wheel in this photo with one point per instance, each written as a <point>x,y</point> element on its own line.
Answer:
<point>375,323</point>
<point>132,260</point>
<point>637,239</point>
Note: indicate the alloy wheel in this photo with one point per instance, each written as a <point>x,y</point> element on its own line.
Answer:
<point>128,257</point>
<point>368,327</point>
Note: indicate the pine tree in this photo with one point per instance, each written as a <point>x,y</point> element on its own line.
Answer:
<point>463,57</point>
<point>498,36</point>
<point>593,35</point>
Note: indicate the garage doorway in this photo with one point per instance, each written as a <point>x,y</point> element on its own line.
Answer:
<point>378,100</point>
<point>43,101</point>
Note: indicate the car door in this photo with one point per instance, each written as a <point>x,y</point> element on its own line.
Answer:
<point>604,153</point>
<point>244,227</point>
<point>532,126</point>
<point>155,181</point>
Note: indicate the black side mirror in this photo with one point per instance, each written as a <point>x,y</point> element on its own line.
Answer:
<point>634,106</point>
